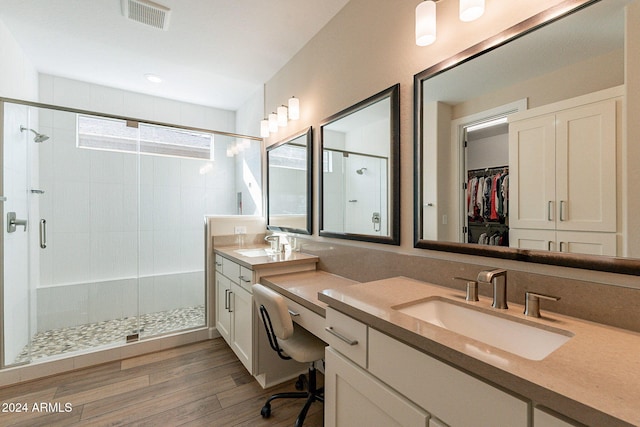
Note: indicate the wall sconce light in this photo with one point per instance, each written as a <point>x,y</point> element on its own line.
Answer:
<point>470,10</point>
<point>273,122</point>
<point>426,23</point>
<point>264,128</point>
<point>294,108</point>
<point>281,117</point>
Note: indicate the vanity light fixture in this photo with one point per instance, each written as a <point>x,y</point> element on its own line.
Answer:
<point>426,23</point>
<point>273,122</point>
<point>282,116</point>
<point>470,10</point>
<point>294,108</point>
<point>264,128</point>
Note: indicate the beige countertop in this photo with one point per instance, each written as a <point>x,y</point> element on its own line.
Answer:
<point>593,378</point>
<point>264,261</point>
<point>304,287</point>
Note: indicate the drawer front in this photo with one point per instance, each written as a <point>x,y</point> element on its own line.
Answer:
<point>347,335</point>
<point>441,389</point>
<point>306,318</point>
<point>218,262</point>
<point>245,278</point>
<point>231,269</point>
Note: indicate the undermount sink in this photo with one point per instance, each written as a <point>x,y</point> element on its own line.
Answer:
<point>251,253</point>
<point>523,339</point>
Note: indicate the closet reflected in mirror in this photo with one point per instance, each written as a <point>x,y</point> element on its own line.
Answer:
<point>360,176</point>
<point>520,145</point>
<point>289,184</point>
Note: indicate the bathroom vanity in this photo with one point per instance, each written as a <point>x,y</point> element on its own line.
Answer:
<point>236,269</point>
<point>396,365</point>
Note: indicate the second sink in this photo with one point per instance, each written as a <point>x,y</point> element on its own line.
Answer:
<point>523,339</point>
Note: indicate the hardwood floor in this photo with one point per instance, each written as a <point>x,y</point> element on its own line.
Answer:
<point>201,384</point>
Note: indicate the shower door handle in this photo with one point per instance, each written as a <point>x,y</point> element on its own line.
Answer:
<point>13,222</point>
<point>43,233</point>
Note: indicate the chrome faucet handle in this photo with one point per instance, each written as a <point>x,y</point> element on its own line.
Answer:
<point>532,303</point>
<point>472,289</point>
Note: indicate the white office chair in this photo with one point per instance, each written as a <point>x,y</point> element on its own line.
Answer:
<point>290,341</point>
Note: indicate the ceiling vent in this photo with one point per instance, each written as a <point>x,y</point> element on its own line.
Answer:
<point>147,12</point>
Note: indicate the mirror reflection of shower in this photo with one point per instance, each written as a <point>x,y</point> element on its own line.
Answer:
<point>39,137</point>
<point>361,171</point>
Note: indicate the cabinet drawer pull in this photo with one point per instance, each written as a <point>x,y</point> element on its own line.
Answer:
<point>243,279</point>
<point>219,264</point>
<point>226,299</point>
<point>340,336</point>
<point>234,299</point>
<point>562,203</point>
<point>549,210</point>
<point>293,313</point>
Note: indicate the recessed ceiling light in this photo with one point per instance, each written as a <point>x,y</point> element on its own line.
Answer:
<point>153,78</point>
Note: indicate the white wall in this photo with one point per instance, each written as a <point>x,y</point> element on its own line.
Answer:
<point>18,77</point>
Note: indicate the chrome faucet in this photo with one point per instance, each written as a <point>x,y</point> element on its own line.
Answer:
<point>498,278</point>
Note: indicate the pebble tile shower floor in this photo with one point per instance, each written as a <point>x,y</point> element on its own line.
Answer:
<point>65,340</point>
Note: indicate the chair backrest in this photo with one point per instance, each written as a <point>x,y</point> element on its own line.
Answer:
<point>277,309</point>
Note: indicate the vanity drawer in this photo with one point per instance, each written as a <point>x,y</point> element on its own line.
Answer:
<point>245,278</point>
<point>440,388</point>
<point>230,269</point>
<point>306,318</point>
<point>347,335</point>
<point>218,263</point>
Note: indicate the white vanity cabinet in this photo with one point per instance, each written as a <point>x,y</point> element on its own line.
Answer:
<point>353,397</point>
<point>234,308</point>
<point>554,186</point>
<point>543,418</point>
<point>236,317</point>
<point>399,385</point>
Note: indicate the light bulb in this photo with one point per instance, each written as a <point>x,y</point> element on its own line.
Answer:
<point>470,10</point>
<point>426,23</point>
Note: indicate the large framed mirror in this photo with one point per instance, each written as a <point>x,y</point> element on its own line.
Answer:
<point>289,184</point>
<point>519,144</point>
<point>360,179</point>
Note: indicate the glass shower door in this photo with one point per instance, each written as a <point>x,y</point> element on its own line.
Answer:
<point>71,278</point>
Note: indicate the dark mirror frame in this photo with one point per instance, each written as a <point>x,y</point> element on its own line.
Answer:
<point>590,262</point>
<point>308,133</point>
<point>393,93</point>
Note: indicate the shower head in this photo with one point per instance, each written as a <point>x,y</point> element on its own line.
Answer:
<point>39,137</point>
<point>361,171</point>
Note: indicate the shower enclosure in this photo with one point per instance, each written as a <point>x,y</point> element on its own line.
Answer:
<point>103,226</point>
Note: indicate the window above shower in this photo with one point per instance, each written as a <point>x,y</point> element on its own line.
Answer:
<point>110,134</point>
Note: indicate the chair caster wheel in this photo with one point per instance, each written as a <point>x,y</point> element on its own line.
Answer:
<point>266,411</point>
<point>301,383</point>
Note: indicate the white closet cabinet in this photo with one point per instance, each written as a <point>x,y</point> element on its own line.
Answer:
<point>563,175</point>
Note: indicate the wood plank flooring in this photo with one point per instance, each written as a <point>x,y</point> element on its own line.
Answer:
<point>201,384</point>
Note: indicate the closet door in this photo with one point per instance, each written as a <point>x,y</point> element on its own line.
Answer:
<point>532,173</point>
<point>586,184</point>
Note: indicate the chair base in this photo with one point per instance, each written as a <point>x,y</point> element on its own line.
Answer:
<point>312,394</point>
